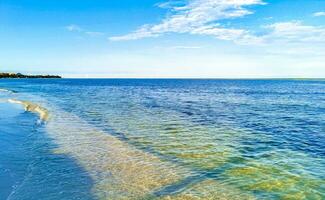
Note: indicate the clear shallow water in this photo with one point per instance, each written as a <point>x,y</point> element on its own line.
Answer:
<point>165,139</point>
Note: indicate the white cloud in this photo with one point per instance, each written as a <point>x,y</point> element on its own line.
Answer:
<point>76,28</point>
<point>198,17</point>
<point>295,31</point>
<point>94,34</point>
<point>171,4</point>
<point>73,28</point>
<point>239,36</point>
<point>319,14</point>
<point>202,17</point>
<point>143,32</point>
<point>294,39</point>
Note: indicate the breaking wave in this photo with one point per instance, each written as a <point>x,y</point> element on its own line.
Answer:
<point>6,90</point>
<point>32,107</point>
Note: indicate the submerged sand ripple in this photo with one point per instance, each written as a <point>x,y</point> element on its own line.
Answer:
<point>121,171</point>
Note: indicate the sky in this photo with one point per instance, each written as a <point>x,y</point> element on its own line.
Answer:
<point>164,38</point>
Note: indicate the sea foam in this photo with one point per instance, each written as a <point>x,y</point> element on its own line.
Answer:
<point>6,90</point>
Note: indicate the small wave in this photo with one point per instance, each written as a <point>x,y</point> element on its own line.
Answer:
<point>31,107</point>
<point>6,90</point>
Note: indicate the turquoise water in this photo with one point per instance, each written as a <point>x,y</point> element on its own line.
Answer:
<point>163,139</point>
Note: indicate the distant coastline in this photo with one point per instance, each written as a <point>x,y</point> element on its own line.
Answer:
<point>19,75</point>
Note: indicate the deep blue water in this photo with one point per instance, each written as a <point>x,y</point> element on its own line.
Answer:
<point>245,139</point>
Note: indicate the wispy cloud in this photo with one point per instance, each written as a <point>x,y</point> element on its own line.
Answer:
<point>94,34</point>
<point>295,31</point>
<point>76,28</point>
<point>294,38</point>
<point>203,17</point>
<point>171,4</point>
<point>73,28</point>
<point>319,14</point>
<point>198,17</point>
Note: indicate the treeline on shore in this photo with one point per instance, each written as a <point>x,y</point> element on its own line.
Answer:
<point>19,75</point>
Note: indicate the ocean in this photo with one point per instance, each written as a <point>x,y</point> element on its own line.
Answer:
<point>162,139</point>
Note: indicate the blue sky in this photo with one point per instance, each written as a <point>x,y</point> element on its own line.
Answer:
<point>175,38</point>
